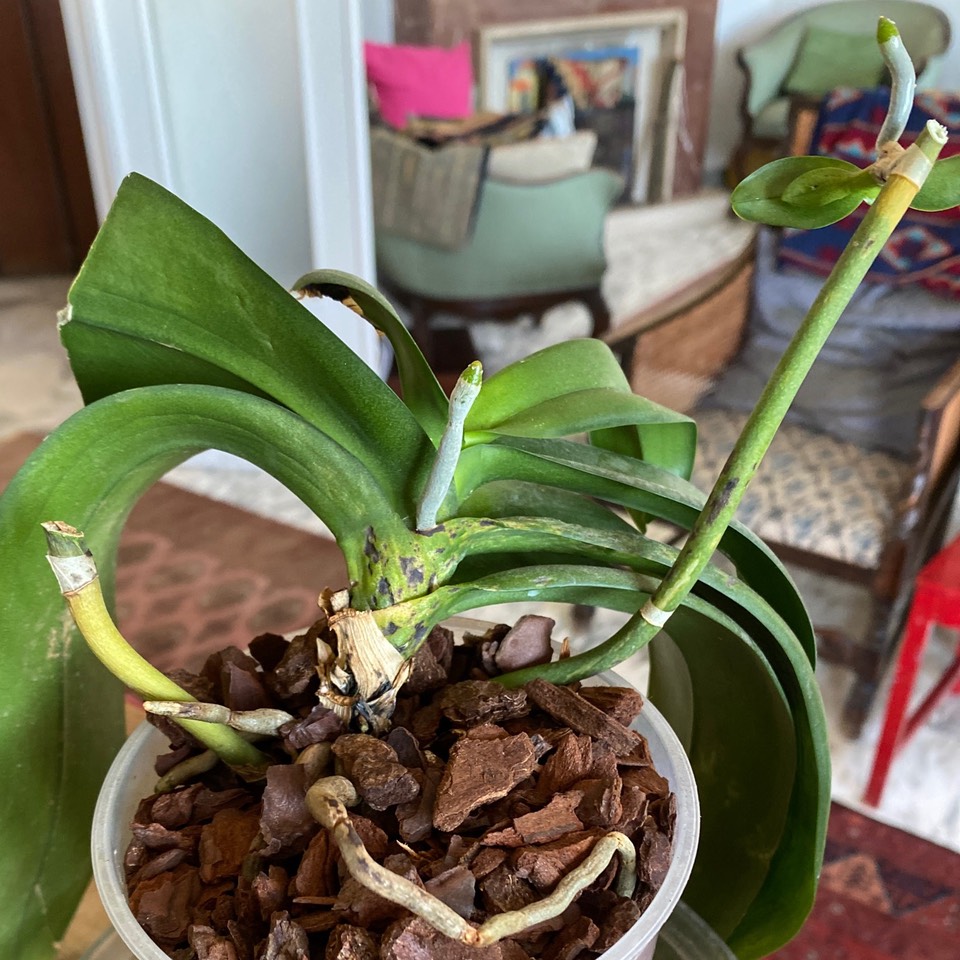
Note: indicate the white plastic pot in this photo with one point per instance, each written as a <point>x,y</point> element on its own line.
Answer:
<point>131,778</point>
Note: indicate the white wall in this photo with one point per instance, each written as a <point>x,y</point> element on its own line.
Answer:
<point>740,21</point>
<point>253,111</point>
<point>950,76</point>
<point>376,18</point>
<point>236,136</point>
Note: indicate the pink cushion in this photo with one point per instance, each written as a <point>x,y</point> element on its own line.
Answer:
<point>422,81</point>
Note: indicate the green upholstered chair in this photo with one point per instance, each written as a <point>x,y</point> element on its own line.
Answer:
<point>809,53</point>
<point>532,246</point>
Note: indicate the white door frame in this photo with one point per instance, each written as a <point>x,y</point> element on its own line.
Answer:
<point>126,124</point>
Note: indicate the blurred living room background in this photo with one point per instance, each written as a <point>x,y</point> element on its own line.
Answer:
<point>514,174</point>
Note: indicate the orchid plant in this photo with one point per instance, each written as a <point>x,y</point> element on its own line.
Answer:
<point>181,344</point>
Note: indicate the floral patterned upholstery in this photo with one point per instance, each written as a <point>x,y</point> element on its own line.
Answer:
<point>812,492</point>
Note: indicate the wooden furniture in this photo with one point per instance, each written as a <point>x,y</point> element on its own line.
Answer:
<point>767,63</point>
<point>673,352</point>
<point>936,600</point>
<point>48,218</point>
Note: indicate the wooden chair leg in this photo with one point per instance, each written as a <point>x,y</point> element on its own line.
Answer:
<point>599,311</point>
<point>582,615</point>
<point>420,315</point>
<point>870,662</point>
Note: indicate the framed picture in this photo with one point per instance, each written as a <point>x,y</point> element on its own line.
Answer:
<point>622,73</point>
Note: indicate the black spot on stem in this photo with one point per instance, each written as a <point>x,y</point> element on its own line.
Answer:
<point>370,550</point>
<point>721,502</point>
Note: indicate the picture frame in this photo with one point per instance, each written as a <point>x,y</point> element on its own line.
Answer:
<point>657,39</point>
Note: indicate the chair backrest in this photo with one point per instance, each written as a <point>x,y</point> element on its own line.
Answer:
<point>925,30</point>
<point>526,239</point>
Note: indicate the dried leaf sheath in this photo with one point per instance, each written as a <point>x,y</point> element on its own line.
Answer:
<point>361,678</point>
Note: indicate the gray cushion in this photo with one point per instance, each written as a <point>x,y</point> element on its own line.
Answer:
<point>887,350</point>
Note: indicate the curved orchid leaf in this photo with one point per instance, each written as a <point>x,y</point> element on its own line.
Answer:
<point>517,498</point>
<point>90,473</point>
<point>420,389</point>
<point>941,189</point>
<point>165,297</point>
<point>804,192</point>
<point>578,387</point>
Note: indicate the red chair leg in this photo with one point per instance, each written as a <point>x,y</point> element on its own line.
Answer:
<point>908,663</point>
<point>946,684</point>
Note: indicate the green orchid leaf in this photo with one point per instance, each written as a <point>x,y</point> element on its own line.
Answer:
<point>548,394</point>
<point>673,435</point>
<point>622,590</point>
<point>538,535</point>
<point>90,473</point>
<point>545,375</point>
<point>784,902</point>
<point>165,297</point>
<point>609,477</point>
<point>671,685</point>
<point>505,498</point>
<point>826,185</point>
<point>941,189</point>
<point>422,392</point>
<point>744,823</point>
<point>536,397</point>
<point>786,897</point>
<point>788,891</point>
<point>763,196</point>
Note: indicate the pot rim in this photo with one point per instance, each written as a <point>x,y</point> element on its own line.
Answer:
<point>128,774</point>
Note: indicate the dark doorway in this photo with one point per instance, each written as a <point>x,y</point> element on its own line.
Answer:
<point>47,215</point>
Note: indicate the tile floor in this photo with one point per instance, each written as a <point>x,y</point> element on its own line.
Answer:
<point>922,796</point>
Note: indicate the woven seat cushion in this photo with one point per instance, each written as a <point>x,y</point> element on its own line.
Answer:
<point>812,492</point>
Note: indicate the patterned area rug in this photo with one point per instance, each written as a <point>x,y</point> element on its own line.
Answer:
<point>178,606</point>
<point>884,895</point>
